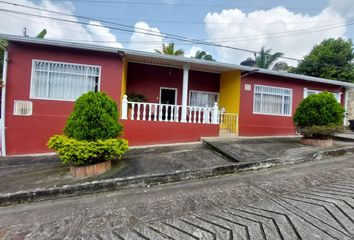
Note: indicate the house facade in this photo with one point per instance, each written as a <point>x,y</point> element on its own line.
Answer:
<point>186,99</point>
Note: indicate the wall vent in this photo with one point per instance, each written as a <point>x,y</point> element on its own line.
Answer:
<point>22,108</point>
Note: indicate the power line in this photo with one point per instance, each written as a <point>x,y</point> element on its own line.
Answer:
<point>145,3</point>
<point>184,39</point>
<point>173,35</point>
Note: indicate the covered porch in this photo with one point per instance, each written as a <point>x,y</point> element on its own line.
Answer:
<point>184,101</point>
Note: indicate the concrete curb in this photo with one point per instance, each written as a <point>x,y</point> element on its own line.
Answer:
<point>156,179</point>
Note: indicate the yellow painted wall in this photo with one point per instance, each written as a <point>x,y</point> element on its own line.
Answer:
<point>230,87</point>
<point>124,78</point>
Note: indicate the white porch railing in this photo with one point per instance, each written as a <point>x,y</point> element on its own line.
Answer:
<point>168,113</point>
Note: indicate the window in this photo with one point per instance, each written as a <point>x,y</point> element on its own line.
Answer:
<point>308,92</point>
<point>202,99</point>
<point>272,100</point>
<point>63,81</point>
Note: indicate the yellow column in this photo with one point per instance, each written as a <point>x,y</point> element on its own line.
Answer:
<point>230,86</point>
<point>124,78</point>
<point>229,96</point>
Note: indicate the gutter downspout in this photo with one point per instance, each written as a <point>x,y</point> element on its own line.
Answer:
<point>3,104</point>
<point>346,90</point>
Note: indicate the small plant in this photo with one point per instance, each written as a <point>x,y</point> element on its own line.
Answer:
<point>319,116</point>
<point>137,97</point>
<point>91,132</point>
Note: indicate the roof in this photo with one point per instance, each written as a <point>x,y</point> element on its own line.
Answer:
<point>171,61</point>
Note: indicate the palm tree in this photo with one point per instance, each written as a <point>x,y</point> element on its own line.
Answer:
<point>265,59</point>
<point>203,55</point>
<point>169,49</point>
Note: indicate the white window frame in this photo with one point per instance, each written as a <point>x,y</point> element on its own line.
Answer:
<point>59,62</point>
<point>273,114</point>
<point>337,95</point>
<point>168,88</point>
<point>190,94</point>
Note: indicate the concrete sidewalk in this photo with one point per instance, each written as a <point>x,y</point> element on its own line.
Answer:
<point>44,177</point>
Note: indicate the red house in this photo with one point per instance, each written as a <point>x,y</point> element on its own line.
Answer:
<point>186,98</point>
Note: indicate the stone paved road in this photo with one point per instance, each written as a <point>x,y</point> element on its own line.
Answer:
<point>308,201</point>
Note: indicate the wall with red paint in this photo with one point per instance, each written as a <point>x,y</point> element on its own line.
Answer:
<point>147,80</point>
<point>29,134</point>
<point>262,125</point>
<point>150,132</point>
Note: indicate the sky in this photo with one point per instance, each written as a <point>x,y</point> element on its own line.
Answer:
<point>291,27</point>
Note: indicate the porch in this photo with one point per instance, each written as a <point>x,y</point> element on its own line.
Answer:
<point>183,102</point>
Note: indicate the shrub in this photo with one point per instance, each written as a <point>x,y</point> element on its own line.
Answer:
<point>137,97</point>
<point>95,117</point>
<point>82,152</point>
<point>319,115</point>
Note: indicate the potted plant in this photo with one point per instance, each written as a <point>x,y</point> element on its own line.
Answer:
<point>91,136</point>
<point>135,97</point>
<point>318,117</point>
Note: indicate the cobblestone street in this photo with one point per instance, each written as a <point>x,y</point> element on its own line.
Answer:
<point>313,200</point>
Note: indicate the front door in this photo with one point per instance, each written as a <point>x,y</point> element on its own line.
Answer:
<point>167,96</point>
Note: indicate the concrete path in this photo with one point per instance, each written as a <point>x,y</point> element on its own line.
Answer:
<point>313,200</point>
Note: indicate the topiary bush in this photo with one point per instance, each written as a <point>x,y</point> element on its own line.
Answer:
<point>91,132</point>
<point>95,117</point>
<point>319,115</point>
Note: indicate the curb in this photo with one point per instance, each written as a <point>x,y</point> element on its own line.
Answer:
<point>156,179</point>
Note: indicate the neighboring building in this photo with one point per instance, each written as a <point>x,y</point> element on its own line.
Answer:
<point>184,96</point>
<point>350,105</point>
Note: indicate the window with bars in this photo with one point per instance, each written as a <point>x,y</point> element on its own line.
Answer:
<point>308,92</point>
<point>202,99</point>
<point>272,100</point>
<point>63,81</point>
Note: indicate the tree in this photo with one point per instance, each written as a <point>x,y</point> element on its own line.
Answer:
<point>332,59</point>
<point>169,49</point>
<point>42,34</point>
<point>265,59</point>
<point>203,55</point>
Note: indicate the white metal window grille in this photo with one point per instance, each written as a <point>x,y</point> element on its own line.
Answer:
<point>22,108</point>
<point>202,99</point>
<point>308,92</point>
<point>63,81</point>
<point>272,100</point>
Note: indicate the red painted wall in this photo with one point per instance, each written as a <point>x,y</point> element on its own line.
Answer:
<point>261,125</point>
<point>150,132</point>
<point>147,80</point>
<point>30,134</point>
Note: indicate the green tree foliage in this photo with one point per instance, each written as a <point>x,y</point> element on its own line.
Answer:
<point>203,55</point>
<point>95,117</point>
<point>42,34</point>
<point>332,59</point>
<point>318,115</point>
<point>265,59</point>
<point>169,49</point>
<point>91,132</point>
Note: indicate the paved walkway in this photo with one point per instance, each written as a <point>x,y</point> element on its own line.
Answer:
<point>29,173</point>
<point>313,200</point>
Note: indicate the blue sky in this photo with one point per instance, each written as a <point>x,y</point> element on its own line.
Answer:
<point>292,27</point>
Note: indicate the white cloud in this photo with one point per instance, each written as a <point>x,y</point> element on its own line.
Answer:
<point>141,40</point>
<point>276,28</point>
<point>343,7</point>
<point>14,23</point>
